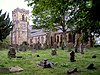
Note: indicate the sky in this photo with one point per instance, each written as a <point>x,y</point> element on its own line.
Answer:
<point>10,5</point>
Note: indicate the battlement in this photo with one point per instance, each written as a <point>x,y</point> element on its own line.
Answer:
<point>20,10</point>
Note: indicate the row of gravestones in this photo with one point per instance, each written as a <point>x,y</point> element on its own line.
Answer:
<point>20,47</point>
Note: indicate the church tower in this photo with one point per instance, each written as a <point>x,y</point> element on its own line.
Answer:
<point>21,23</point>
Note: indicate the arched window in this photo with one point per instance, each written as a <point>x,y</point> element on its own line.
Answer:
<point>57,39</point>
<point>36,40</point>
<point>22,17</point>
<point>70,37</point>
<point>42,38</point>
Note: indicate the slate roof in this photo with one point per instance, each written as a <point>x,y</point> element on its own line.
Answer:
<point>38,32</point>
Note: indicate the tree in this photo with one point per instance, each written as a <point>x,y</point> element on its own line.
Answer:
<point>53,14</point>
<point>87,20</point>
<point>78,15</point>
<point>5,25</point>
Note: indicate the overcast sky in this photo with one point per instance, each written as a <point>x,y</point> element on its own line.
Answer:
<point>10,5</point>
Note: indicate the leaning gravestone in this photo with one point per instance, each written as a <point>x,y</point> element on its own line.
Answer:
<point>53,52</point>
<point>12,52</point>
<point>90,66</point>
<point>72,71</point>
<point>72,56</point>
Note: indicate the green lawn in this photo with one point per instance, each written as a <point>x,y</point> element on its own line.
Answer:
<point>29,62</point>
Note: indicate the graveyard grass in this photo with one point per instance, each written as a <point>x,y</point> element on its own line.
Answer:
<point>29,62</point>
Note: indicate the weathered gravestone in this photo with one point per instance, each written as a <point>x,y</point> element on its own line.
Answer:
<point>46,64</point>
<point>72,71</point>
<point>15,69</point>
<point>81,49</point>
<point>11,69</point>
<point>4,70</point>
<point>32,48</point>
<point>37,55</point>
<point>90,66</point>
<point>69,45</point>
<point>94,56</point>
<point>62,46</point>
<point>53,52</point>
<point>55,45</point>
<point>75,48</point>
<point>72,56</point>
<point>22,48</point>
<point>37,46</point>
<point>12,52</point>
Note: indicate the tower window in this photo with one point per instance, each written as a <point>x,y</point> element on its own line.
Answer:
<point>22,17</point>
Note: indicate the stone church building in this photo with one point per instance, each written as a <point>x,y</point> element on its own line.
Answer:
<point>23,32</point>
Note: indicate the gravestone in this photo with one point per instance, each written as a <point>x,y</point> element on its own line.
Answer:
<point>37,46</point>
<point>53,52</point>
<point>32,48</point>
<point>4,70</point>
<point>62,46</point>
<point>75,48</point>
<point>94,56</point>
<point>15,69</point>
<point>46,64</point>
<point>72,56</point>
<point>22,48</point>
<point>90,66</point>
<point>55,45</point>
<point>37,55</point>
<point>44,46</point>
<point>81,49</point>
<point>11,52</point>
<point>72,71</point>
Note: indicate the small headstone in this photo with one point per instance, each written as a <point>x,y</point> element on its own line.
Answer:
<point>72,71</point>
<point>37,45</point>
<point>90,66</point>
<point>62,46</point>
<point>12,52</point>
<point>37,55</point>
<point>75,48</point>
<point>4,70</point>
<point>53,52</point>
<point>72,56</point>
<point>94,56</point>
<point>81,49</point>
<point>55,45</point>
